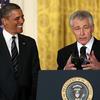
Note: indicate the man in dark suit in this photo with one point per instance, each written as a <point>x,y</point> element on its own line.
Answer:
<point>69,57</point>
<point>18,76</point>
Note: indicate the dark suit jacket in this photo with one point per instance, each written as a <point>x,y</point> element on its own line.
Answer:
<point>64,53</point>
<point>24,86</point>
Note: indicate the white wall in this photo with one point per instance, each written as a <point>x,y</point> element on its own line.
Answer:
<point>29,8</point>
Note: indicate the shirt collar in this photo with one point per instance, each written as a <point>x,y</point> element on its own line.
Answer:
<point>8,35</point>
<point>88,45</point>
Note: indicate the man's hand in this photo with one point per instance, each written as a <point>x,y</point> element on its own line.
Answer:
<point>94,64</point>
<point>69,65</point>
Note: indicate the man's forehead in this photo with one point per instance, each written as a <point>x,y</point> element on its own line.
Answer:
<point>15,12</point>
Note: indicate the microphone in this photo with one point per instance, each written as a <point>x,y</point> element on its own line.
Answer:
<point>76,60</point>
<point>83,57</point>
<point>79,61</point>
<point>83,60</point>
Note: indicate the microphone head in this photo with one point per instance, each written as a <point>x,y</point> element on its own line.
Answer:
<point>76,61</point>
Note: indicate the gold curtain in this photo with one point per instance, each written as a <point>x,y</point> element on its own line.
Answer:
<point>53,26</point>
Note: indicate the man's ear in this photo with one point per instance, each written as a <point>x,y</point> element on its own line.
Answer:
<point>92,29</point>
<point>3,21</point>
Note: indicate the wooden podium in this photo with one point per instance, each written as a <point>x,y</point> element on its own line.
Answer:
<point>54,85</point>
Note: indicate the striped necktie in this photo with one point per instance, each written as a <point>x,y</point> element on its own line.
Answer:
<point>14,52</point>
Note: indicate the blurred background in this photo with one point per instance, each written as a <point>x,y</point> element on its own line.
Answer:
<point>47,21</point>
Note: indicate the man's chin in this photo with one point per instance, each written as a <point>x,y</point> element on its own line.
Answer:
<point>83,42</point>
<point>19,31</point>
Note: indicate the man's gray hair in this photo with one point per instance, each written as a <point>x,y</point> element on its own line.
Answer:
<point>81,14</point>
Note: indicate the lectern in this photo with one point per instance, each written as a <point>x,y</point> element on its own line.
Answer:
<point>68,85</point>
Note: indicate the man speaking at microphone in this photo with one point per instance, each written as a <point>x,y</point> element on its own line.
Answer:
<point>84,54</point>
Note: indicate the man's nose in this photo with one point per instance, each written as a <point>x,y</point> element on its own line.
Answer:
<point>82,31</point>
<point>21,20</point>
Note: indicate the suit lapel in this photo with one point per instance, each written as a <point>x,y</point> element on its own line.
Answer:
<point>75,50</point>
<point>95,47</point>
<point>22,52</point>
<point>3,48</point>
<point>4,52</point>
<point>6,71</point>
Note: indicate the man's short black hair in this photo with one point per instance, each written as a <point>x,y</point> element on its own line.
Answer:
<point>4,11</point>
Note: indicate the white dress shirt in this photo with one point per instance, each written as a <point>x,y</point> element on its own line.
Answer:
<point>88,45</point>
<point>8,39</point>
